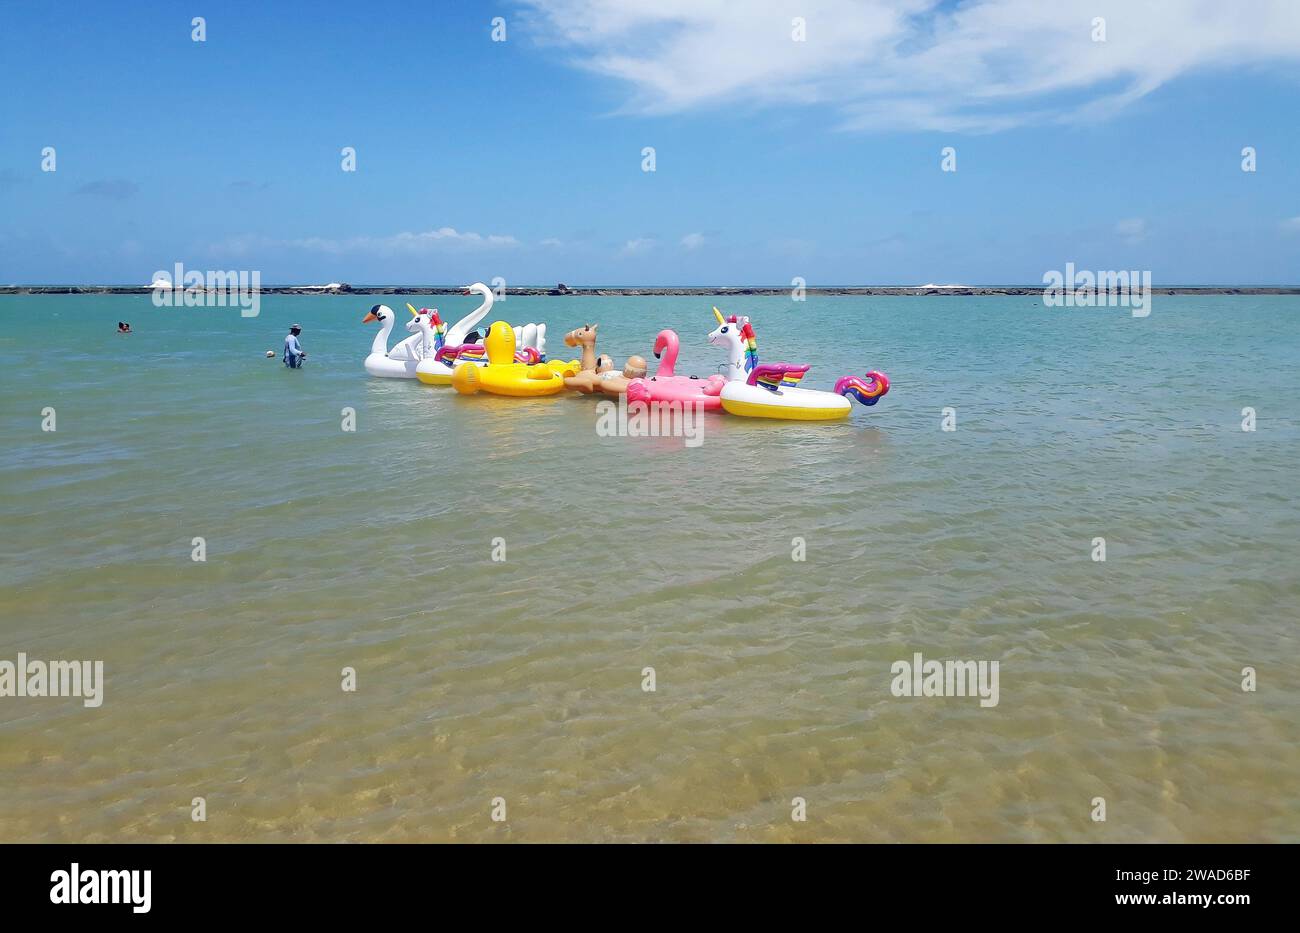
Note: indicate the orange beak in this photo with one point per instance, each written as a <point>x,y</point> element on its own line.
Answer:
<point>370,317</point>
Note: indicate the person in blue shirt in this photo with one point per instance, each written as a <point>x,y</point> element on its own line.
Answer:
<point>293,351</point>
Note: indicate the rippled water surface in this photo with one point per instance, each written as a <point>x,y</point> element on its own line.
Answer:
<point>522,679</point>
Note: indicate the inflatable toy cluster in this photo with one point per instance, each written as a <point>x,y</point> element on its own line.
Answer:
<point>512,361</point>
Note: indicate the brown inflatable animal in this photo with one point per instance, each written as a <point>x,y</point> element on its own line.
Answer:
<point>586,377</point>
<point>597,373</point>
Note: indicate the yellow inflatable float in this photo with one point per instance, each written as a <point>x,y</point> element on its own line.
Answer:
<point>503,376</point>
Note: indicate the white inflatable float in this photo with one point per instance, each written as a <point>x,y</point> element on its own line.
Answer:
<point>428,354</point>
<point>755,390</point>
<point>401,360</point>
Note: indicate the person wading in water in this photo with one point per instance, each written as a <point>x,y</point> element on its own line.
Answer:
<point>293,351</point>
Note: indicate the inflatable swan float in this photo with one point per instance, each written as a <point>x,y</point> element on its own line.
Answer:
<point>399,362</point>
<point>450,348</point>
<point>771,390</point>
<point>666,386</point>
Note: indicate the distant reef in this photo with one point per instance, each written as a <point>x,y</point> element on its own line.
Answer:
<point>702,290</point>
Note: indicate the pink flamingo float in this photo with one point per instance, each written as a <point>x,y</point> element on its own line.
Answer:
<point>666,386</point>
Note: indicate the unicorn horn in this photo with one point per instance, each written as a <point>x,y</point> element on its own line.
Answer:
<point>414,313</point>
<point>718,315</point>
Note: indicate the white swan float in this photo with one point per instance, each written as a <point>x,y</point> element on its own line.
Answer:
<point>450,349</point>
<point>401,360</point>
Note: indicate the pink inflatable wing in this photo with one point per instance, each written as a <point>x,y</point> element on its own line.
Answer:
<point>471,353</point>
<point>638,391</point>
<point>465,353</point>
<point>775,376</point>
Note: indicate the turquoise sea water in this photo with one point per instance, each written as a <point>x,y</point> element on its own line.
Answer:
<point>522,679</point>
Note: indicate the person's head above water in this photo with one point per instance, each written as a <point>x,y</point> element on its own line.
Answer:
<point>295,328</point>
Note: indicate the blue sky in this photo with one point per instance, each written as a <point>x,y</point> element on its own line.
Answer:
<point>774,157</point>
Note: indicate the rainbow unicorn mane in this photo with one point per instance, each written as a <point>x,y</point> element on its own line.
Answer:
<point>749,340</point>
<point>439,330</point>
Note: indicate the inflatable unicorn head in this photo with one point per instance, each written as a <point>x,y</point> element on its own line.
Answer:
<point>426,321</point>
<point>737,336</point>
<point>429,326</point>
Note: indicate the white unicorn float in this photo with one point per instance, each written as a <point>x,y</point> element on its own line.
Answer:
<point>771,390</point>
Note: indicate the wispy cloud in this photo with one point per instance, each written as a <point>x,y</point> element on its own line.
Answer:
<point>1132,230</point>
<point>637,246</point>
<point>693,240</point>
<point>408,243</point>
<point>114,189</point>
<point>1291,225</point>
<point>977,66</point>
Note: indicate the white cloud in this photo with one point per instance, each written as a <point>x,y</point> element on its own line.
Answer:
<point>693,240</point>
<point>411,243</point>
<point>1132,229</point>
<point>981,65</point>
<point>1291,225</point>
<point>407,242</point>
<point>637,246</point>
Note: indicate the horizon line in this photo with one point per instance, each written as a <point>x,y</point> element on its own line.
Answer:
<point>561,290</point>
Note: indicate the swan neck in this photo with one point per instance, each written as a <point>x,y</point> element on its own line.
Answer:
<point>380,343</point>
<point>456,333</point>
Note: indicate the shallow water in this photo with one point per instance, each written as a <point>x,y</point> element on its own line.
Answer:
<point>522,679</point>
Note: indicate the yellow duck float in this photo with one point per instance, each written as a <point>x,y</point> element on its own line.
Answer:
<point>503,376</point>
